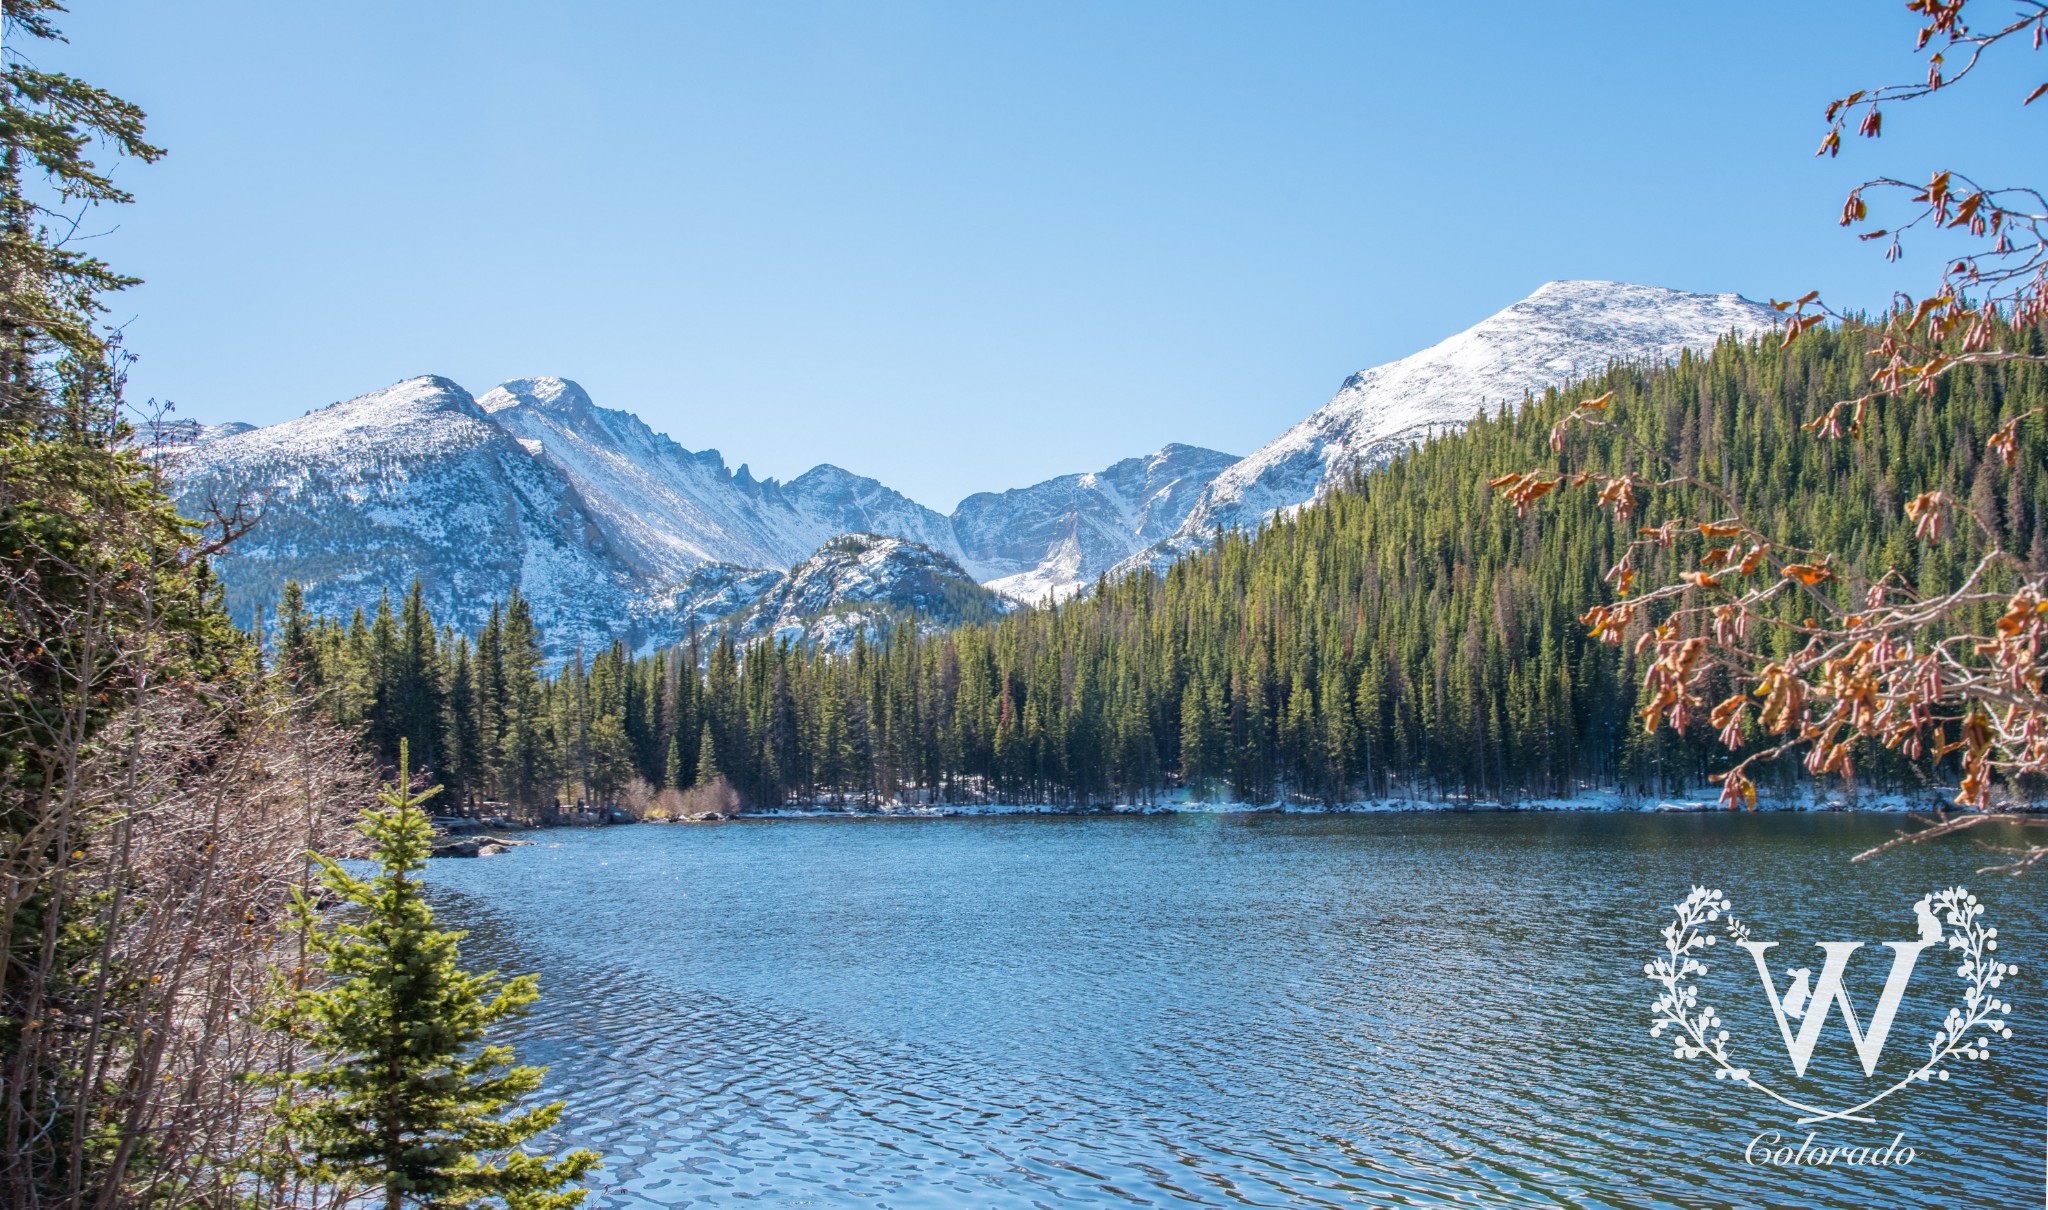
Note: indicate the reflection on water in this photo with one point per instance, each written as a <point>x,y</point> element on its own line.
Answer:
<point>1421,1010</point>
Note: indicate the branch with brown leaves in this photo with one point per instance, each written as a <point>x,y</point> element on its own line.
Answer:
<point>1918,675</point>
<point>2005,276</point>
<point>1890,666</point>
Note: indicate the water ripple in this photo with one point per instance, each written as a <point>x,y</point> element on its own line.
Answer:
<point>1407,1011</point>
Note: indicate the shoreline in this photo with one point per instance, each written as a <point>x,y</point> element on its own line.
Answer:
<point>1594,803</point>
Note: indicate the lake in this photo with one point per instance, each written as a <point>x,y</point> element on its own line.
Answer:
<point>1233,1010</point>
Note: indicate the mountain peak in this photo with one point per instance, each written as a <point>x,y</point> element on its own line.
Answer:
<point>547,392</point>
<point>1582,286</point>
<point>411,401</point>
<point>1563,332</point>
<point>430,391</point>
<point>1646,302</point>
<point>1601,287</point>
<point>863,584</point>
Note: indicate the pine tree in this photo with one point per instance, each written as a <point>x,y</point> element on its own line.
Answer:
<point>415,680</point>
<point>462,766</point>
<point>381,704</point>
<point>404,1094</point>
<point>527,751</point>
<point>707,758</point>
<point>611,759</point>
<point>1194,734</point>
<point>672,768</point>
<point>296,657</point>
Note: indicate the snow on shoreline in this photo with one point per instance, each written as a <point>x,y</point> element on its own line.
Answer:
<point>1605,802</point>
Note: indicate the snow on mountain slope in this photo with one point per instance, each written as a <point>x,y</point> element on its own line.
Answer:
<point>413,480</point>
<point>1056,537</point>
<point>1565,331</point>
<point>863,584</point>
<point>703,600</point>
<point>157,437</point>
<point>668,510</point>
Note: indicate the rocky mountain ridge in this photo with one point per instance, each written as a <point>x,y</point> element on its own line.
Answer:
<point>607,527</point>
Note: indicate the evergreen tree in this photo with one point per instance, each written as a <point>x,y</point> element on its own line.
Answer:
<point>405,1094</point>
<point>672,768</point>
<point>296,656</point>
<point>611,759</point>
<point>462,748</point>
<point>707,758</point>
<point>527,752</point>
<point>416,682</point>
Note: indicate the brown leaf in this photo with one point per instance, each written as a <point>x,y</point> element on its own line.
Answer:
<point>1928,512</point>
<point>2006,442</point>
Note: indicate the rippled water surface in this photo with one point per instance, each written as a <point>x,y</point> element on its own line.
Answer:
<point>1423,1010</point>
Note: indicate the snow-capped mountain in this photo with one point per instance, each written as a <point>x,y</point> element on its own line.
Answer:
<point>1054,538</point>
<point>617,531</point>
<point>411,481</point>
<point>667,510</point>
<point>863,584</point>
<point>1565,331</point>
<point>608,527</point>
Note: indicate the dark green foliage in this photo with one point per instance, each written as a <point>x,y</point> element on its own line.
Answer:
<point>404,1094</point>
<point>707,759</point>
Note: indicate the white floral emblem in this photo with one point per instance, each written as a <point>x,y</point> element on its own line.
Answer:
<point>1952,915</point>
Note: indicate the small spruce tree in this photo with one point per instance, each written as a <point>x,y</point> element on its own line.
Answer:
<point>403,1093</point>
<point>672,768</point>
<point>707,758</point>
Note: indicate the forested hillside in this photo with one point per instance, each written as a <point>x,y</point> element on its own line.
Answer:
<point>1409,637</point>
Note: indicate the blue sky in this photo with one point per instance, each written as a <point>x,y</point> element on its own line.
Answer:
<point>959,246</point>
